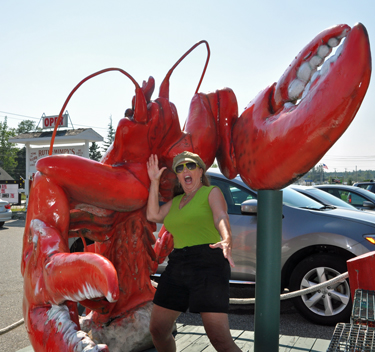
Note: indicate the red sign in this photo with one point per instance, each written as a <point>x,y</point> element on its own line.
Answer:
<point>50,121</point>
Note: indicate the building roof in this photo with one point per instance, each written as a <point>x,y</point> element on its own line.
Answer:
<point>4,176</point>
<point>78,135</point>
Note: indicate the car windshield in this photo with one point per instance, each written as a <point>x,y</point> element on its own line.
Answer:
<point>298,200</point>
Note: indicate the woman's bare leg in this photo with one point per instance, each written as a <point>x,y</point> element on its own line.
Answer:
<point>217,329</point>
<point>161,328</point>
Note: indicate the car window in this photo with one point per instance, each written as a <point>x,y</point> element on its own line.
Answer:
<point>355,199</point>
<point>330,199</point>
<point>363,186</point>
<point>234,195</point>
<point>338,193</point>
<point>298,200</point>
<point>352,198</point>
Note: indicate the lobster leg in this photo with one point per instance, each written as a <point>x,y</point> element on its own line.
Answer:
<point>96,184</point>
<point>47,266</point>
<point>53,330</point>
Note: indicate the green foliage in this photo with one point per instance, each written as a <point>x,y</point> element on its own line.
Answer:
<point>110,136</point>
<point>94,152</point>
<point>8,151</point>
<point>24,126</point>
<point>319,175</point>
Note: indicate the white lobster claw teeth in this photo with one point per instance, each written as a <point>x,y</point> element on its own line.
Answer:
<point>324,51</point>
<point>307,72</point>
<point>295,89</point>
<point>304,72</point>
<point>333,42</point>
<point>316,61</point>
<point>76,339</point>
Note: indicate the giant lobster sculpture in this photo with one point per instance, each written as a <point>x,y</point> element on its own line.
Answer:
<point>281,134</point>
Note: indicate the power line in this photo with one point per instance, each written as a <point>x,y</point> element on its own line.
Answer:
<point>38,118</point>
<point>10,113</point>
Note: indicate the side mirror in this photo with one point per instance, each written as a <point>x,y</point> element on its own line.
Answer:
<point>249,207</point>
<point>368,204</point>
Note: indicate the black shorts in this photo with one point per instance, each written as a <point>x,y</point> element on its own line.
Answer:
<point>196,278</point>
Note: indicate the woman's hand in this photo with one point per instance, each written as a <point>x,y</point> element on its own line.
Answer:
<point>221,220</point>
<point>227,251</point>
<point>154,173</point>
<point>154,211</point>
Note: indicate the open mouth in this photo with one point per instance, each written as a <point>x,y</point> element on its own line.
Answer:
<point>188,180</point>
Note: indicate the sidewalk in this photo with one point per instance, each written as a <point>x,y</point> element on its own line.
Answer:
<point>191,338</point>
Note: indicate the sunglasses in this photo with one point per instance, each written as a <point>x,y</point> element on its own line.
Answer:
<point>190,166</point>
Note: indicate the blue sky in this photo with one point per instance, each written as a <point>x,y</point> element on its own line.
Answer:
<point>47,47</point>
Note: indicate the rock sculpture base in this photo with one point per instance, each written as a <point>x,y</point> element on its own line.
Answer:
<point>129,334</point>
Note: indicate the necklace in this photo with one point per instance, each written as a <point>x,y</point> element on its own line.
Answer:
<point>186,196</point>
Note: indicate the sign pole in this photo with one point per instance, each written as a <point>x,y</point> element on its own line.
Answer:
<point>268,271</point>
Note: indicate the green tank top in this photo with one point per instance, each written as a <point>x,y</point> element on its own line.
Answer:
<point>193,224</point>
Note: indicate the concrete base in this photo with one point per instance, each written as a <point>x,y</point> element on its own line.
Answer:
<point>130,334</point>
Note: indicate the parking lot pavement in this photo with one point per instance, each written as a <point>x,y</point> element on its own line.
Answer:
<point>11,285</point>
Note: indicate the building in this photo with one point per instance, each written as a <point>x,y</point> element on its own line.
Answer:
<point>69,141</point>
<point>4,176</point>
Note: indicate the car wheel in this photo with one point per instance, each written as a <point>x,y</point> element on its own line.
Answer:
<point>329,305</point>
<point>2,224</point>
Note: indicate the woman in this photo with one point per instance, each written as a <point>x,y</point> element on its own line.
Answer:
<point>198,271</point>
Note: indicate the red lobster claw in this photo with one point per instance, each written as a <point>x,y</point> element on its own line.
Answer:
<point>163,246</point>
<point>278,139</point>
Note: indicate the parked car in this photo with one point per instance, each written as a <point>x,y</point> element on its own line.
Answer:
<point>369,186</point>
<point>322,197</point>
<point>5,212</point>
<point>356,196</point>
<point>316,243</point>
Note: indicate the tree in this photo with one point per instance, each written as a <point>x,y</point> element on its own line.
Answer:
<point>8,152</point>
<point>110,136</point>
<point>24,126</point>
<point>94,152</point>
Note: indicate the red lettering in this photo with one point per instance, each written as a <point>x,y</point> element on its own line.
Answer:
<point>51,121</point>
<point>42,153</point>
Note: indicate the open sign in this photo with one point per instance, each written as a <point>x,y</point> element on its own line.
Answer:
<point>50,121</point>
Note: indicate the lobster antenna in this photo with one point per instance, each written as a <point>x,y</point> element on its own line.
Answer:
<point>164,87</point>
<point>138,90</point>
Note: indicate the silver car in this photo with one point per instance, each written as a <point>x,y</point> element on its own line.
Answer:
<point>5,212</point>
<point>316,243</point>
<point>322,197</point>
<point>356,196</point>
